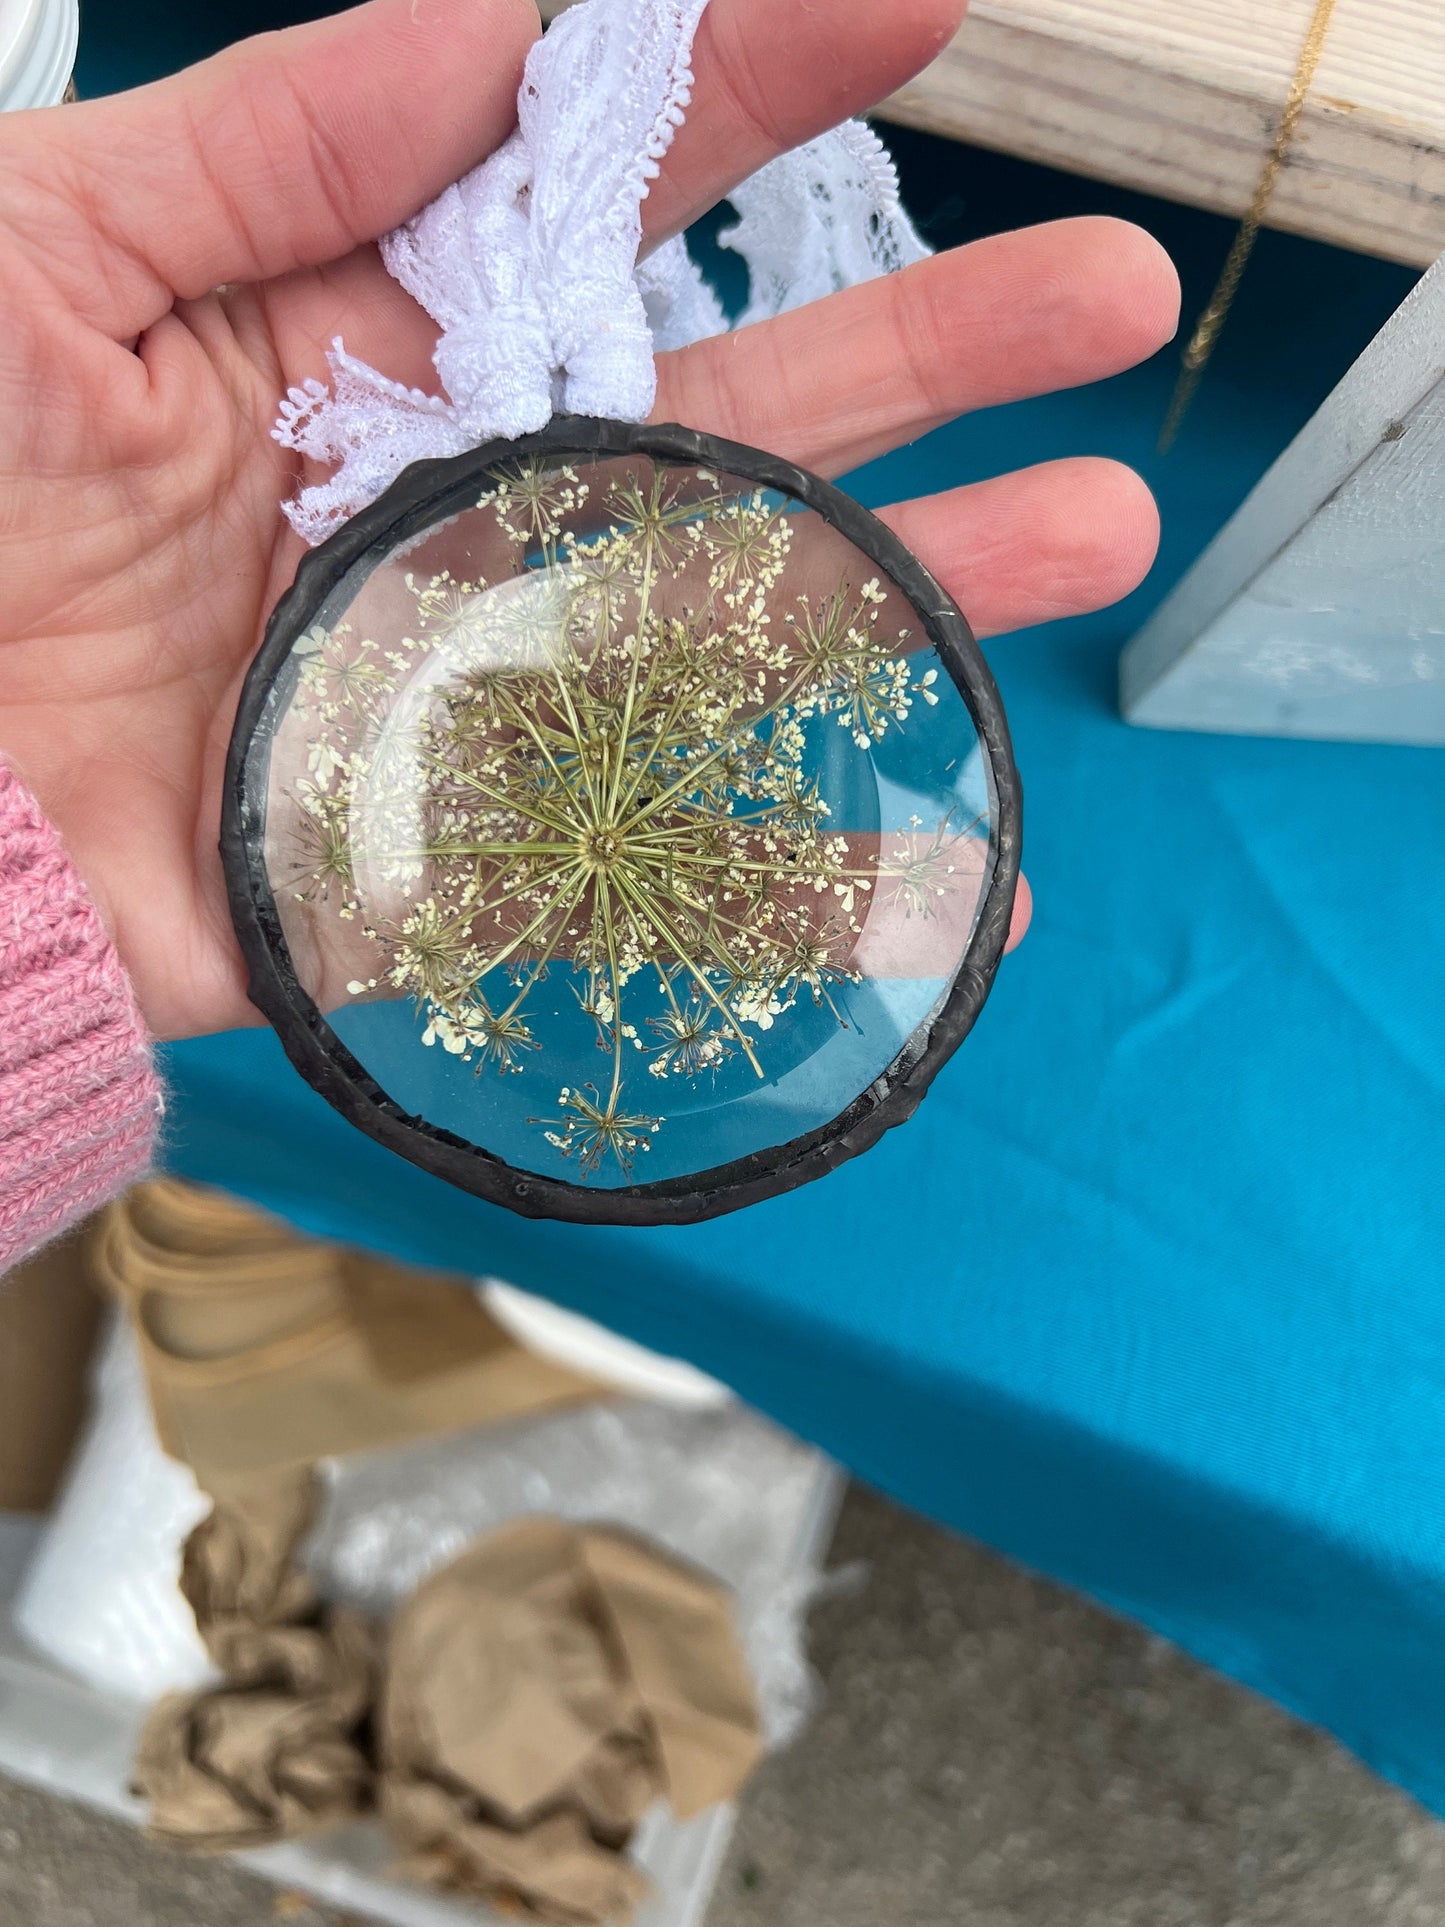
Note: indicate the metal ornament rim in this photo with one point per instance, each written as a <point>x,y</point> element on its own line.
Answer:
<point>428,493</point>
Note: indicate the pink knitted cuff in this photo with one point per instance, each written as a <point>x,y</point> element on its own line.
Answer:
<point>79,1097</point>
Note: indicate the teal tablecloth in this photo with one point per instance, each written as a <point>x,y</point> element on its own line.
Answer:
<point>1152,1293</point>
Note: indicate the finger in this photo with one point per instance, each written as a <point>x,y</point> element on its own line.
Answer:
<point>1023,916</point>
<point>381,322</point>
<point>769,74</point>
<point>284,151</point>
<point>1051,541</point>
<point>840,381</point>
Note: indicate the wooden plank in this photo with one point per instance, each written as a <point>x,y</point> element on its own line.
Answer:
<point>1181,97</point>
<point>1319,609</point>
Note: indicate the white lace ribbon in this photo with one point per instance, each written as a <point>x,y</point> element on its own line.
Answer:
<point>529,264</point>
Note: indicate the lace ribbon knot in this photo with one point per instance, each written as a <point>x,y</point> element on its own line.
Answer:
<point>530,264</point>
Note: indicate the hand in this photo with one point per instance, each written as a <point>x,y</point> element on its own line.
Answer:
<point>141,545</point>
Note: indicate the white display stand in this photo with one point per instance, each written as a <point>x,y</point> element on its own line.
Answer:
<point>1319,609</point>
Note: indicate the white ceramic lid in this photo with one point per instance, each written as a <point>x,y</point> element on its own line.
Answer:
<point>38,39</point>
<point>569,1339</point>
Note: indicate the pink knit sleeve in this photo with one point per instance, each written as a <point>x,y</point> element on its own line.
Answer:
<point>79,1097</point>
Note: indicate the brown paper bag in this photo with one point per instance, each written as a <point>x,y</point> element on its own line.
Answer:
<point>264,1349</point>
<point>49,1316</point>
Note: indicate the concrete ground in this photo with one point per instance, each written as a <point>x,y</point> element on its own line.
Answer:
<point>992,1752</point>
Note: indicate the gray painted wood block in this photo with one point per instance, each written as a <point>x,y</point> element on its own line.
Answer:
<point>1319,609</point>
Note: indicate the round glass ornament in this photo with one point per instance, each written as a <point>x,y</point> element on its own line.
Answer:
<point>620,824</point>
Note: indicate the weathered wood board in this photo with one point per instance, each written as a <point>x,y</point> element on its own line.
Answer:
<point>1181,98</point>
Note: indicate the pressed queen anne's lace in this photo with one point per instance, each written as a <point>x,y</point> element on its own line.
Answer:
<point>618,769</point>
<point>529,264</point>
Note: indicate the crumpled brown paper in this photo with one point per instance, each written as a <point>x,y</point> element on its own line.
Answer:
<point>541,1692</point>
<point>276,1749</point>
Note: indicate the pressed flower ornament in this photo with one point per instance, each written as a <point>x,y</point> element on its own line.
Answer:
<point>619,823</point>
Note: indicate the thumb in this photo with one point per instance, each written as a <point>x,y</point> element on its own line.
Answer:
<point>285,151</point>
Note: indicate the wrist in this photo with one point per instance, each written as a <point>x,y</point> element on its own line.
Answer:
<point>79,1099</point>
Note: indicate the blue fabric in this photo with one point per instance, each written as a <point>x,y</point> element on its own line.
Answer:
<point>1149,1295</point>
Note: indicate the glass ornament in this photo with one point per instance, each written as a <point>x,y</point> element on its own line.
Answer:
<point>620,823</point>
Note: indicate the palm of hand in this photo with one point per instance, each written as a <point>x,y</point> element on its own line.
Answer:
<point>129,623</point>
<point>140,541</point>
<point>142,578</point>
